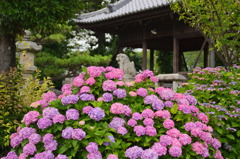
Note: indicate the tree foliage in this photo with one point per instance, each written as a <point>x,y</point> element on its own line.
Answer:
<point>218,20</point>
<point>42,16</point>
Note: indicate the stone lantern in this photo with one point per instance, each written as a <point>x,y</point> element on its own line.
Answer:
<point>26,50</point>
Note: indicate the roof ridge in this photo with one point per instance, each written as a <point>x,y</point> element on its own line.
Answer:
<point>115,6</point>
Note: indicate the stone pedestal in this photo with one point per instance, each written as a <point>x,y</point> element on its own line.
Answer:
<point>26,50</point>
<point>171,80</point>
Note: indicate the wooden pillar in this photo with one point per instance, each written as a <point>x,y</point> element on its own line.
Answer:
<point>175,55</point>
<point>151,59</point>
<point>205,57</point>
<point>144,56</point>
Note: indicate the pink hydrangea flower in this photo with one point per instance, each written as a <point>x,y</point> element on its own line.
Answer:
<point>109,85</point>
<point>150,131</point>
<point>95,71</point>
<point>163,114</point>
<point>29,149</point>
<point>168,124</point>
<point>148,113</point>
<point>117,108</point>
<point>137,116</point>
<point>198,147</point>
<point>132,94</point>
<point>31,117</point>
<point>49,96</point>
<point>203,117</point>
<point>173,132</point>
<point>87,109</point>
<point>185,139</point>
<point>142,92</point>
<point>90,81</point>
<point>148,122</point>
<point>59,119</point>
<point>165,140</point>
<point>112,156</point>
<point>160,149</point>
<point>78,81</point>
<point>176,142</point>
<point>132,122</point>
<point>122,130</point>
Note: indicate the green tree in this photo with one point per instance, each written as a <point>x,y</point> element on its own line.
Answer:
<point>218,20</point>
<point>42,16</point>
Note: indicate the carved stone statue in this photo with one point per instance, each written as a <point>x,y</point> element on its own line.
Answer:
<point>127,66</point>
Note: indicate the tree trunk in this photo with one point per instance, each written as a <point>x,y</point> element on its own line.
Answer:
<point>7,53</point>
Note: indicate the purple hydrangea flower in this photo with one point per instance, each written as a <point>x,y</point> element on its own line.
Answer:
<point>58,119</point>
<point>120,93</point>
<point>67,133</point>
<point>92,147</point>
<point>50,112</point>
<point>150,99</point>
<point>134,152</point>
<point>25,132</point>
<point>72,114</point>
<point>175,151</point>
<point>70,99</point>
<point>142,92</point>
<point>122,130</point>
<point>116,123</point>
<point>87,97</point>
<point>168,104</point>
<point>107,97</point>
<point>160,149</point>
<point>139,130</point>
<point>97,114</point>
<point>150,131</point>
<point>137,116</point>
<point>61,157</point>
<point>15,141</point>
<point>45,154</point>
<point>34,138</point>
<point>149,154</point>
<point>111,138</point>
<point>51,146</point>
<point>96,155</point>
<point>11,155</point>
<point>157,104</point>
<point>29,149</point>
<point>78,134</point>
<point>47,138</point>
<point>44,123</point>
<point>165,140</point>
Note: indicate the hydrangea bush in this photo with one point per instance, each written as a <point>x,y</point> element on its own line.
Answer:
<point>100,116</point>
<point>217,92</point>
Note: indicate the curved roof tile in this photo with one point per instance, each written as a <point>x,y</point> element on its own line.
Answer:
<point>119,9</point>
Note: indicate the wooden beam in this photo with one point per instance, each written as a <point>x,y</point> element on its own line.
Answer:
<point>151,59</point>
<point>200,52</point>
<point>175,55</point>
<point>144,56</point>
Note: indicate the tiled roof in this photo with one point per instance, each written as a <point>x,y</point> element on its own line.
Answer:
<point>119,9</point>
